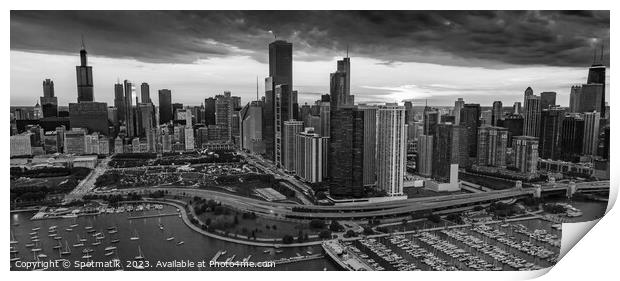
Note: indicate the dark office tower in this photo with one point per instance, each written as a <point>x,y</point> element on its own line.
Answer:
<point>550,132</point>
<point>547,99</point>
<point>119,102</point>
<point>442,152</point>
<point>49,103</point>
<point>224,115</point>
<point>346,152</point>
<point>431,119</point>
<point>409,115</point>
<point>571,139</point>
<point>370,143</point>
<point>470,120</point>
<point>281,63</point>
<point>339,84</point>
<point>324,113</point>
<point>145,93</point>
<point>304,115</point>
<point>574,101</point>
<point>497,113</point>
<point>84,75</point>
<point>283,111</point>
<point>531,116</point>
<point>92,116</point>
<point>268,117</point>
<point>596,75</point>
<point>514,124</point>
<point>165,106</point>
<point>144,119</point>
<point>209,111</point>
<point>129,112</point>
<point>528,93</point>
<point>516,108</point>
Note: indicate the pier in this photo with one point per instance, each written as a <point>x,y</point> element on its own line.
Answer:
<point>153,216</point>
<point>298,259</point>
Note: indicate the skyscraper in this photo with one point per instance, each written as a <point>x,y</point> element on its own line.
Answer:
<point>409,114</point>
<point>550,132</point>
<point>458,105</point>
<point>571,139</point>
<point>49,102</point>
<point>425,155</point>
<point>492,143</point>
<point>514,124</point>
<point>497,113</point>
<point>289,138</point>
<point>224,113</point>
<point>516,108</point>
<point>91,116</point>
<point>281,114</point>
<point>596,75</point>
<point>470,119</point>
<point>547,99</point>
<point>251,127</point>
<point>592,122</point>
<point>370,143</point>
<point>443,156</point>
<point>431,119</point>
<point>84,75</point>
<point>339,85</point>
<point>269,120</point>
<point>346,152</point>
<point>119,102</point>
<point>129,112</point>
<point>324,113</point>
<point>531,116</point>
<point>525,154</point>
<point>310,155</point>
<point>145,93</point>
<point>281,63</point>
<point>210,111</point>
<point>391,144</point>
<point>528,93</point>
<point>165,106</point>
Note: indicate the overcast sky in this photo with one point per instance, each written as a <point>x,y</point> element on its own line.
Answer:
<point>480,56</point>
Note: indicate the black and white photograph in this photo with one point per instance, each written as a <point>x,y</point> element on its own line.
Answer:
<point>305,140</point>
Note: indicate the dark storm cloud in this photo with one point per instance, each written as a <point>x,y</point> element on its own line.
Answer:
<point>556,38</point>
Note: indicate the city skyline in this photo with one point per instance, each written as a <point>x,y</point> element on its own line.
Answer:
<point>441,75</point>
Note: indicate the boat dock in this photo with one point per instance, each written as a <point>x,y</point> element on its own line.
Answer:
<point>153,216</point>
<point>299,259</point>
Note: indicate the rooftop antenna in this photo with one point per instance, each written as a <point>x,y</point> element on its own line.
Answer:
<point>602,52</point>
<point>347,50</point>
<point>83,45</point>
<point>257,88</point>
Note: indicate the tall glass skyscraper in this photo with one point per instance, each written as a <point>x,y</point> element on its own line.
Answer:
<point>84,75</point>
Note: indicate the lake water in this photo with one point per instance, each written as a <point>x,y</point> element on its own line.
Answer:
<point>152,242</point>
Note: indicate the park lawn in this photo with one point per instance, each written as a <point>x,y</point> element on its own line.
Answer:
<point>263,226</point>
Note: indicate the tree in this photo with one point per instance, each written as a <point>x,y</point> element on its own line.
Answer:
<point>336,226</point>
<point>317,224</point>
<point>287,239</point>
<point>350,233</point>
<point>325,234</point>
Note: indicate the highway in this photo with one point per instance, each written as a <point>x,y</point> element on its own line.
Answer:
<point>88,184</point>
<point>358,212</point>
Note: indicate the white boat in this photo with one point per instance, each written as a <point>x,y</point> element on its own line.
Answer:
<point>13,240</point>
<point>86,256</point>
<point>42,256</point>
<point>36,229</point>
<point>170,238</point>
<point>140,256</point>
<point>110,248</point>
<point>135,236</point>
<point>108,253</point>
<point>96,243</point>
<point>180,243</point>
<point>67,250</point>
